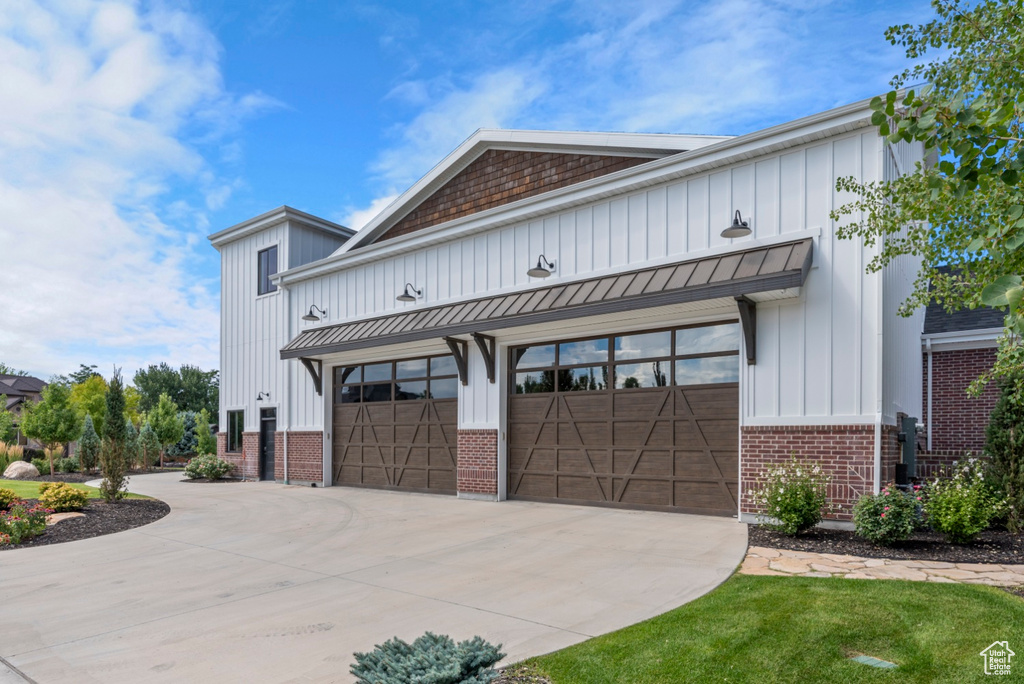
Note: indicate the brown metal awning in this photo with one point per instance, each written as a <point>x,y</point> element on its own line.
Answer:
<point>762,269</point>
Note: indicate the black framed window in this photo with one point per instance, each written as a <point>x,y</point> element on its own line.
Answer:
<point>703,354</point>
<point>429,377</point>
<point>236,425</point>
<point>267,259</point>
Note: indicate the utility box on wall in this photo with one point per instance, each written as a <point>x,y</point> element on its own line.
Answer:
<point>907,467</point>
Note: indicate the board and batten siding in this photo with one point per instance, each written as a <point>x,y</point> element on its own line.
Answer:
<point>255,327</point>
<point>817,354</point>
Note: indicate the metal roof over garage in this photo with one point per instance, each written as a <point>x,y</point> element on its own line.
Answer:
<point>761,269</point>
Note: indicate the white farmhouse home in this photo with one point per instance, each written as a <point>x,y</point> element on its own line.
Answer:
<point>632,320</point>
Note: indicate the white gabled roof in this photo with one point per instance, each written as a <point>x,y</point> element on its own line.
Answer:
<point>653,145</point>
<point>274,217</point>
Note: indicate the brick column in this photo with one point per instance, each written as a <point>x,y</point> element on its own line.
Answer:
<point>305,456</point>
<point>478,464</point>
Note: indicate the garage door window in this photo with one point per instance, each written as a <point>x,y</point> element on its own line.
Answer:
<point>407,380</point>
<point>694,355</point>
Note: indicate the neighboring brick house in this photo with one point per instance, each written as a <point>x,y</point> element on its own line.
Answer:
<point>956,349</point>
<point>20,389</point>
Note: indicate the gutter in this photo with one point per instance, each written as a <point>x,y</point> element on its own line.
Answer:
<point>928,346</point>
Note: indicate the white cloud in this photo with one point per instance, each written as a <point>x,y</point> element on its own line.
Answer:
<point>98,95</point>
<point>355,217</point>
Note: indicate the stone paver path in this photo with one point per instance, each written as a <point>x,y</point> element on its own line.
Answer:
<point>765,561</point>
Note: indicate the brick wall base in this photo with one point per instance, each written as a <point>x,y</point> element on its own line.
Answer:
<point>246,461</point>
<point>931,464</point>
<point>845,452</point>
<point>478,462</point>
<point>305,456</point>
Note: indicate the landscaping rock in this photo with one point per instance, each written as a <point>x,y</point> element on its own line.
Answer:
<point>55,518</point>
<point>21,470</point>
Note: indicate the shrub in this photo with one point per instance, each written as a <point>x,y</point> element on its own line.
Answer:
<point>42,465</point>
<point>9,453</point>
<point>888,517</point>
<point>68,465</point>
<point>961,506</point>
<point>793,496</point>
<point>1004,445</point>
<point>209,467</point>
<point>114,445</point>
<point>89,445</point>
<point>431,658</point>
<point>61,497</point>
<point>22,522</point>
<point>8,497</point>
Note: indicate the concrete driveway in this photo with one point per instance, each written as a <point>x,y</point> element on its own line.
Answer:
<point>260,582</point>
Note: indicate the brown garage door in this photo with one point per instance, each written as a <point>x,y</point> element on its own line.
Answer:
<point>395,425</point>
<point>643,420</point>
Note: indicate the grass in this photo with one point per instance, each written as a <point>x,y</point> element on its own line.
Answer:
<point>30,489</point>
<point>797,629</point>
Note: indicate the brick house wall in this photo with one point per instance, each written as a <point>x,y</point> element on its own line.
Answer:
<point>477,471</point>
<point>305,456</point>
<point>246,461</point>
<point>501,176</point>
<point>958,420</point>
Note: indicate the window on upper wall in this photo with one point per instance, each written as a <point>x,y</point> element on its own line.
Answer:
<point>236,424</point>
<point>267,268</point>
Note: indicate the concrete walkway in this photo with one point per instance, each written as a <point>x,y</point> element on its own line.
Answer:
<point>259,582</point>
<point>765,561</point>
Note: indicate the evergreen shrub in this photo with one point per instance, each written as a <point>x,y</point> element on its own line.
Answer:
<point>432,658</point>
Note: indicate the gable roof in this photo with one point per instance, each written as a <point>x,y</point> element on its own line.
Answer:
<point>937,320</point>
<point>20,385</point>
<point>274,217</point>
<point>635,145</point>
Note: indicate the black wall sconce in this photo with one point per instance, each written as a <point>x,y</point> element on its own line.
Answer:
<point>543,268</point>
<point>411,294</point>
<point>312,316</point>
<point>262,395</point>
<point>738,229</point>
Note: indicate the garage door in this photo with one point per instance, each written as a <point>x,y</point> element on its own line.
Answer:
<point>395,425</point>
<point>643,420</point>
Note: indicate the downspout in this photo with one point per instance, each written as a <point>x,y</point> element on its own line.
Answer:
<point>928,345</point>
<point>286,402</point>
<point>880,350</point>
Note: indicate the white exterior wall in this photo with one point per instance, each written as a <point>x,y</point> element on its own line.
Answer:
<point>255,327</point>
<point>817,355</point>
<point>902,372</point>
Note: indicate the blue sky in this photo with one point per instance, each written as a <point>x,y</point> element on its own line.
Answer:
<point>131,130</point>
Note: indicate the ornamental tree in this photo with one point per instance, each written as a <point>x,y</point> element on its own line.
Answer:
<point>114,450</point>
<point>90,398</point>
<point>149,446</point>
<point>206,443</point>
<point>167,424</point>
<point>1004,446</point>
<point>88,445</point>
<point>964,206</point>
<point>52,420</point>
<point>7,433</point>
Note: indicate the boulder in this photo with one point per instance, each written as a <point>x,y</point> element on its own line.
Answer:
<point>21,470</point>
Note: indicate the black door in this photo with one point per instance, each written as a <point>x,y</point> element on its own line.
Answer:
<point>268,426</point>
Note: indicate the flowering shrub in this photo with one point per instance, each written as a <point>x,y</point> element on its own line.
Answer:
<point>209,467</point>
<point>962,505</point>
<point>792,496</point>
<point>22,522</point>
<point>61,497</point>
<point>888,517</point>
<point>8,497</point>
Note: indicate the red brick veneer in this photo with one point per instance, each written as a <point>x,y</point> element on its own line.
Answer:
<point>247,461</point>
<point>305,456</point>
<point>958,421</point>
<point>501,176</point>
<point>478,461</point>
<point>845,452</point>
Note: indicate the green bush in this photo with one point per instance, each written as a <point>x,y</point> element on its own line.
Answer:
<point>21,523</point>
<point>1004,445</point>
<point>8,497</point>
<point>67,465</point>
<point>888,517</point>
<point>963,505</point>
<point>431,658</point>
<point>209,467</point>
<point>61,497</point>
<point>792,497</point>
<point>42,465</point>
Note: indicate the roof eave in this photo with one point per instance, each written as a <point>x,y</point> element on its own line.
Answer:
<point>274,217</point>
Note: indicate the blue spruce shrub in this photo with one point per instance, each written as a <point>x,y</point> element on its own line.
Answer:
<point>431,659</point>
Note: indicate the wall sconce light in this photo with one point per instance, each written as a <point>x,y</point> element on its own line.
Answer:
<point>312,316</point>
<point>738,229</point>
<point>543,268</point>
<point>410,294</point>
<point>262,395</point>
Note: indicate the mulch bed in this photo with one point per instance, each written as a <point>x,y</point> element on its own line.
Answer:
<point>991,546</point>
<point>63,477</point>
<point>100,518</point>
<point>520,673</point>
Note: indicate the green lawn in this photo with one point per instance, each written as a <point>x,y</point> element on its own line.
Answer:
<point>30,489</point>
<point>796,629</point>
